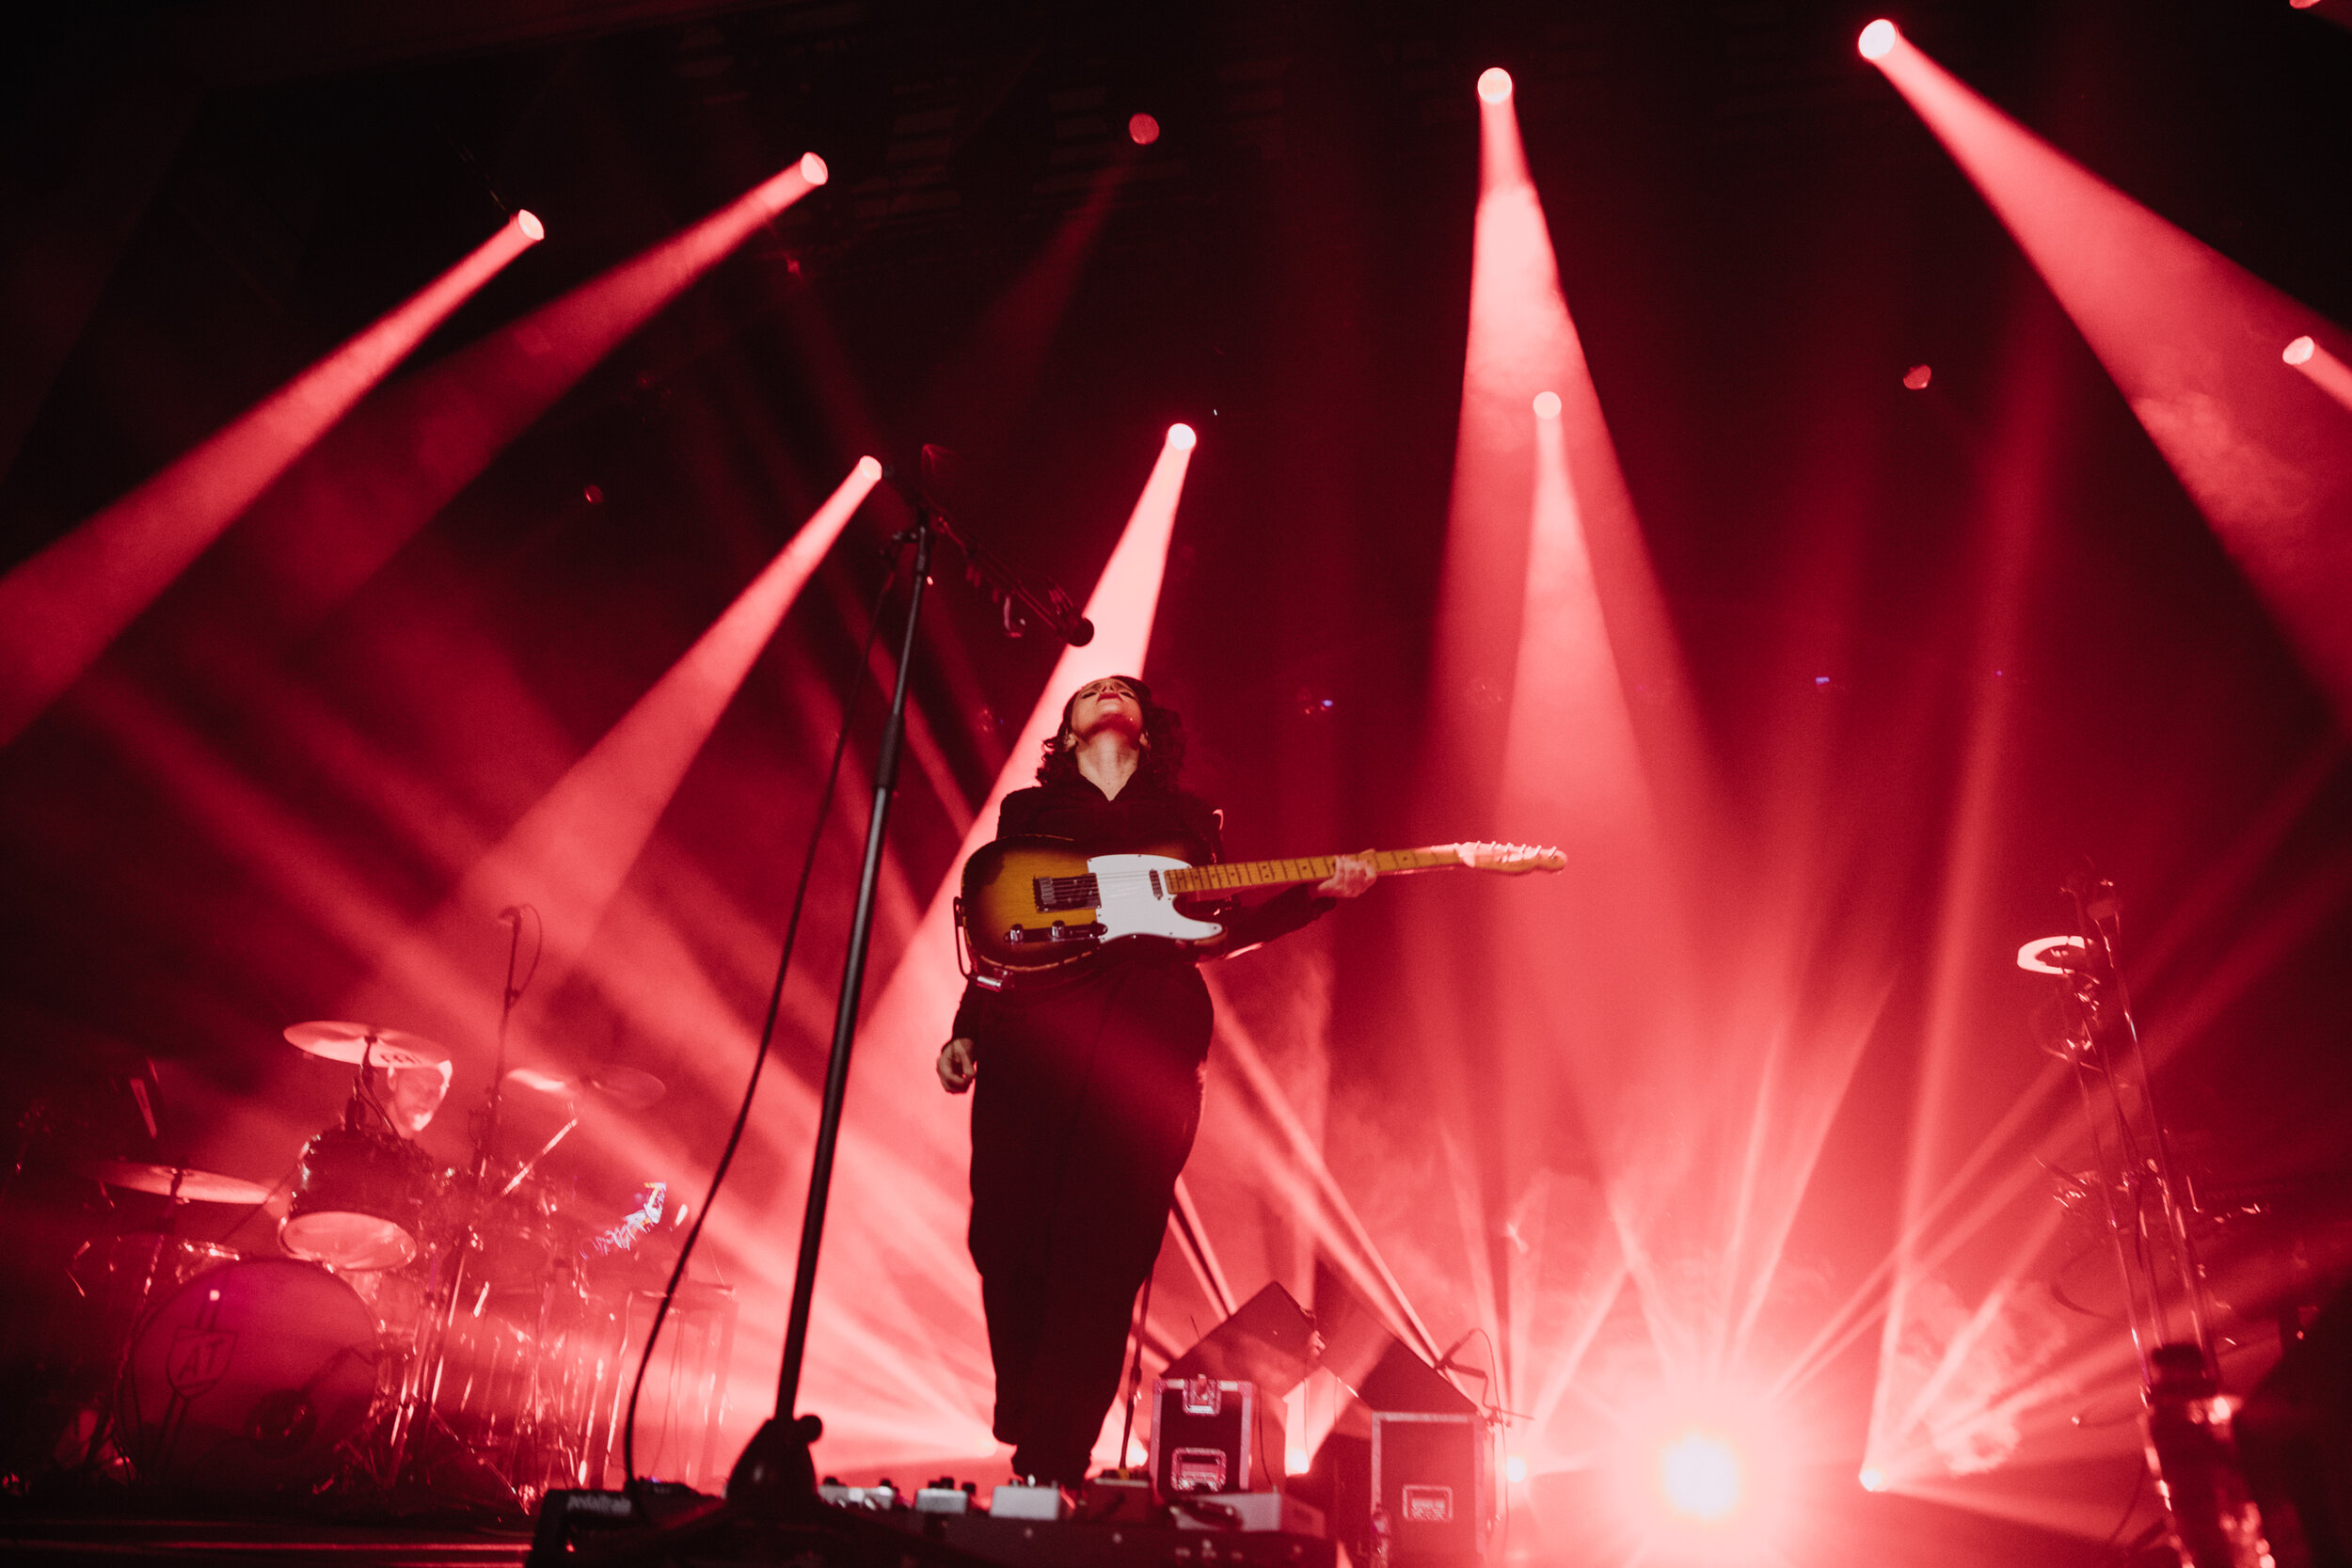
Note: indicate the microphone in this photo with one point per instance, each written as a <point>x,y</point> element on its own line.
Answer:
<point>1036,595</point>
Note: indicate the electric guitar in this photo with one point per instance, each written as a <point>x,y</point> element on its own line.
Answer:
<point>1034,903</point>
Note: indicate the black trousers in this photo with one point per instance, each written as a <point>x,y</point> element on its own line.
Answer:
<point>1087,1100</point>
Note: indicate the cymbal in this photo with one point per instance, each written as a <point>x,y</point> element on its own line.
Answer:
<point>335,1041</point>
<point>196,1186</point>
<point>631,1088</point>
<point>2055,956</point>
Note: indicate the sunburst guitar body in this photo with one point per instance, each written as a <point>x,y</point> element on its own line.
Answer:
<point>1033,903</point>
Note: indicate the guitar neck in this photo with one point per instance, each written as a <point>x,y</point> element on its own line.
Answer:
<point>1239,876</point>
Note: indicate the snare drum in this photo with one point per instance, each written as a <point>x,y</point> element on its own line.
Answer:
<point>359,1201</point>
<point>247,1379</point>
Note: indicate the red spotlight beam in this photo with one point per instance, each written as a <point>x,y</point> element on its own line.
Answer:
<point>59,610</point>
<point>1361,1258</point>
<point>569,853</point>
<point>1523,342</point>
<point>359,496</point>
<point>2193,340</point>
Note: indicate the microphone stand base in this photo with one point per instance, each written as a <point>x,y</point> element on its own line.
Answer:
<point>776,1476</point>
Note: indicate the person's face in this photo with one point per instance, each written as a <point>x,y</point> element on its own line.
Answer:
<point>417,1094</point>
<point>1107,704</point>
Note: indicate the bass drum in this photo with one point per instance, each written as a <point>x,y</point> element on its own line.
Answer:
<point>247,1379</point>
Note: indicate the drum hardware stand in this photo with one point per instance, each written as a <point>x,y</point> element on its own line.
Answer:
<point>421,1388</point>
<point>512,918</point>
<point>111,1429</point>
<point>2164,1292</point>
<point>2188,1441</point>
<point>530,1165</point>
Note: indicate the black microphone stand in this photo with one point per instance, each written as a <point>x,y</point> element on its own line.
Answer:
<point>776,1472</point>
<point>771,1509</point>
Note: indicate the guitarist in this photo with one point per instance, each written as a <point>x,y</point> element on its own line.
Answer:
<point>1092,1090</point>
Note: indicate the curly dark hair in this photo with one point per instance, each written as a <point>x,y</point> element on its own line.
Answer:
<point>1163,741</point>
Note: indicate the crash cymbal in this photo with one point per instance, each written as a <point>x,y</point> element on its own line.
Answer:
<point>335,1041</point>
<point>195,1186</point>
<point>631,1088</point>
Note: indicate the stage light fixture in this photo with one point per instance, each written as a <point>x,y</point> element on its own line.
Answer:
<point>1180,436</point>
<point>868,470</point>
<point>1872,1478</point>
<point>1494,83</point>
<point>2300,350</point>
<point>813,170</point>
<point>1699,1474</point>
<point>1514,1468</point>
<point>1877,40</point>
<point>1917,377</point>
<point>1142,130</point>
<point>527,223</point>
<point>1546,405</point>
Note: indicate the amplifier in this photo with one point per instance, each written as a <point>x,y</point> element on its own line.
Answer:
<point>1429,1487</point>
<point>1211,1434</point>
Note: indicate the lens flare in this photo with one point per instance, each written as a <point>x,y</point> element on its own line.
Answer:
<point>1877,40</point>
<point>1180,436</point>
<point>2299,351</point>
<point>1700,1476</point>
<point>1142,130</point>
<point>1546,405</point>
<point>1494,83</point>
<point>1872,1478</point>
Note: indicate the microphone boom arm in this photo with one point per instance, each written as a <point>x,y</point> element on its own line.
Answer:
<point>1035,593</point>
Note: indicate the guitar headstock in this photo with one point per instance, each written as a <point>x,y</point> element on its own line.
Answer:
<point>1512,859</point>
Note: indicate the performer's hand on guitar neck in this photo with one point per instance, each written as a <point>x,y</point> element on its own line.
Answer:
<point>958,1064</point>
<point>1350,876</point>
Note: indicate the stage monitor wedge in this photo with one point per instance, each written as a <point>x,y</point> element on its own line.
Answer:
<point>1270,1341</point>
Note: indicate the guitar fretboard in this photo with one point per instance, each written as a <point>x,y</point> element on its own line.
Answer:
<point>1234,875</point>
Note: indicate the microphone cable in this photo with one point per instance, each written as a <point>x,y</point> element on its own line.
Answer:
<point>767,1031</point>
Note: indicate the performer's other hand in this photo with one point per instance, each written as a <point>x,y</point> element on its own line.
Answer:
<point>958,1064</point>
<point>1350,876</point>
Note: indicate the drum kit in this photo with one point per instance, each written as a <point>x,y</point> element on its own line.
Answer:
<point>466,1335</point>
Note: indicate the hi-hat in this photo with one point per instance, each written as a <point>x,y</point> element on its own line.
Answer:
<point>631,1088</point>
<point>2056,956</point>
<point>193,1186</point>
<point>335,1042</point>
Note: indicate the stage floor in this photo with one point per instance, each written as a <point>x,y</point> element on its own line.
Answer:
<point>84,1540</point>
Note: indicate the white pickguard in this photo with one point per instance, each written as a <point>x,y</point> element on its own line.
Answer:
<point>1130,907</point>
